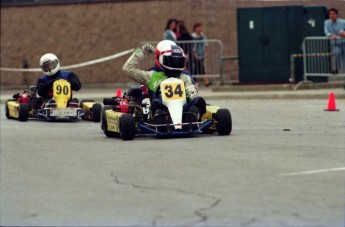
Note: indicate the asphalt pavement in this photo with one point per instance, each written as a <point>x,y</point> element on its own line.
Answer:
<point>282,165</point>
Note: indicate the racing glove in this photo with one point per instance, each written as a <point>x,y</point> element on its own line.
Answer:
<point>191,92</point>
<point>148,49</point>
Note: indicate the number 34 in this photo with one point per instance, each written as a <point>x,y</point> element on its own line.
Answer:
<point>170,92</point>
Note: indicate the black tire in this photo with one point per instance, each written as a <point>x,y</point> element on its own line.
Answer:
<point>23,112</point>
<point>127,127</point>
<point>7,111</point>
<point>96,112</point>
<point>191,117</point>
<point>109,101</point>
<point>224,122</point>
<point>104,122</point>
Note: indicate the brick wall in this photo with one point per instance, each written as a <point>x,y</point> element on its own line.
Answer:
<point>82,32</point>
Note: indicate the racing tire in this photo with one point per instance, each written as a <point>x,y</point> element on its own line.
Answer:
<point>7,111</point>
<point>104,122</point>
<point>109,101</point>
<point>224,122</point>
<point>127,127</point>
<point>23,114</point>
<point>192,117</point>
<point>96,112</point>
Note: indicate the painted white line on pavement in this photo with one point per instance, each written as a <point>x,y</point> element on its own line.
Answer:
<point>313,171</point>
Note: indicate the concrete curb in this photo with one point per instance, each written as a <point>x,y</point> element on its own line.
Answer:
<point>272,96</point>
<point>98,92</point>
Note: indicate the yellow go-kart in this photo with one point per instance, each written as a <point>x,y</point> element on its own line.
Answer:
<point>60,107</point>
<point>132,115</point>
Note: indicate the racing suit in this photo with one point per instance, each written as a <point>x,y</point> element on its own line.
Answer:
<point>45,83</point>
<point>153,78</point>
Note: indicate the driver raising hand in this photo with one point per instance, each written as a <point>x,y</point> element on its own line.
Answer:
<point>50,66</point>
<point>169,62</point>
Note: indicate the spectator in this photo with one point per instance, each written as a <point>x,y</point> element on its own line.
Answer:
<point>335,30</point>
<point>199,53</point>
<point>170,30</point>
<point>187,47</point>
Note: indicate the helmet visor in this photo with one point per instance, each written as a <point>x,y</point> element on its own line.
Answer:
<point>174,62</point>
<point>49,66</point>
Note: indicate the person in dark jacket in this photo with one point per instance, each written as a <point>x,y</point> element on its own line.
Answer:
<point>187,47</point>
<point>50,66</point>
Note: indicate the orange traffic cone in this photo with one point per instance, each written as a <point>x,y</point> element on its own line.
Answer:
<point>118,92</point>
<point>331,103</point>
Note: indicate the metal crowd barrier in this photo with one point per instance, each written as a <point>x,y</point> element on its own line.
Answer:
<point>211,66</point>
<point>323,57</point>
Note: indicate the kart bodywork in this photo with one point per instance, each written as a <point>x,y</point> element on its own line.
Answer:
<point>60,107</point>
<point>130,115</point>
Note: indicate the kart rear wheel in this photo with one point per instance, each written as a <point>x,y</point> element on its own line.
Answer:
<point>7,111</point>
<point>104,124</point>
<point>127,127</point>
<point>109,101</point>
<point>96,112</point>
<point>224,122</point>
<point>23,114</point>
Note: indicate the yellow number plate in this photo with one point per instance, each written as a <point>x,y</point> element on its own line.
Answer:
<point>62,88</point>
<point>173,91</point>
<point>62,92</point>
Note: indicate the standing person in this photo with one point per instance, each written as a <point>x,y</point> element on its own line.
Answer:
<point>170,30</point>
<point>199,52</point>
<point>335,30</point>
<point>187,47</point>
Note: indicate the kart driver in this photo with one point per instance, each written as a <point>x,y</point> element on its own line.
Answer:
<point>50,66</point>
<point>169,62</point>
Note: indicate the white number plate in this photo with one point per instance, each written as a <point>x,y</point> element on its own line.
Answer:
<point>63,112</point>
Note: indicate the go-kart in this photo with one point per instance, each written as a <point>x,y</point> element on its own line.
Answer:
<point>131,114</point>
<point>61,107</point>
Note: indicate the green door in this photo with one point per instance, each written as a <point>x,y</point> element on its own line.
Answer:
<point>250,48</point>
<point>314,19</point>
<point>275,45</point>
<point>268,36</point>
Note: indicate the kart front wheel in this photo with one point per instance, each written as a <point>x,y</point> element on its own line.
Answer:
<point>127,127</point>
<point>23,114</point>
<point>224,122</point>
<point>96,112</point>
<point>104,123</point>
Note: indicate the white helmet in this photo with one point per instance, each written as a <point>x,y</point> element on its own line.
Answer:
<point>163,43</point>
<point>170,58</point>
<point>49,64</point>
